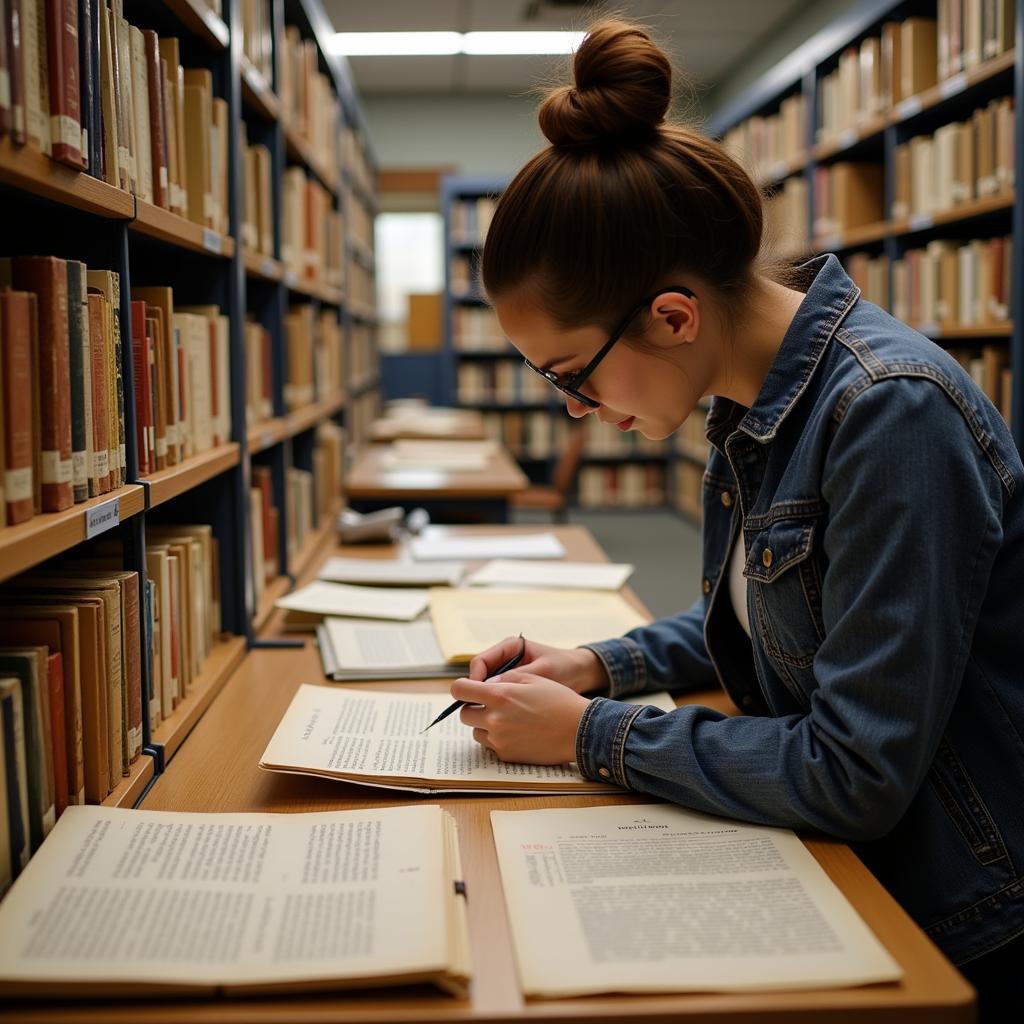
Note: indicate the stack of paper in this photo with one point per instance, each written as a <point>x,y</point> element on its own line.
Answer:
<point>507,572</point>
<point>353,649</point>
<point>437,543</point>
<point>469,621</point>
<point>391,572</point>
<point>308,605</point>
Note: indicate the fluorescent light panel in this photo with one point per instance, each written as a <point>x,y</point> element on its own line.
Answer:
<point>428,44</point>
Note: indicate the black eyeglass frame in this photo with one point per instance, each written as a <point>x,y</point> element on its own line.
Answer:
<point>570,383</point>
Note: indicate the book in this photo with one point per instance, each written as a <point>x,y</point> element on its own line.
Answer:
<point>9,805</point>
<point>319,599</point>
<point>14,29</point>
<point>15,771</point>
<point>436,543</point>
<point>80,376</point>
<point>250,903</point>
<point>508,572</point>
<point>64,84</point>
<point>355,649</point>
<point>17,319</point>
<point>655,898</point>
<point>391,572</point>
<point>469,621</point>
<point>107,283</point>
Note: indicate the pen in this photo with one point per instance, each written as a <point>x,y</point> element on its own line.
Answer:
<point>510,664</point>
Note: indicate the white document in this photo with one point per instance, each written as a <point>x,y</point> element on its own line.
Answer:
<point>508,572</point>
<point>246,901</point>
<point>451,463</point>
<point>353,649</point>
<point>321,598</point>
<point>654,898</point>
<point>391,572</point>
<point>468,621</point>
<point>376,738</point>
<point>414,449</point>
<point>437,543</point>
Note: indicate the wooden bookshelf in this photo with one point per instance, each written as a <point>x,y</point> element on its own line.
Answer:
<point>780,170</point>
<point>267,433</point>
<point>156,222</point>
<point>276,588</point>
<point>856,236</point>
<point>870,129</point>
<point>954,86</point>
<point>298,149</point>
<point>941,332</point>
<point>312,289</point>
<point>963,212</point>
<point>256,91</point>
<point>27,169</point>
<point>322,536</point>
<point>129,790</point>
<point>202,21</point>
<point>260,266</point>
<point>50,533</point>
<point>225,657</point>
<point>169,483</point>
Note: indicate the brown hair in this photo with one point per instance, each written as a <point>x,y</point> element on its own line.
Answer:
<point>620,199</point>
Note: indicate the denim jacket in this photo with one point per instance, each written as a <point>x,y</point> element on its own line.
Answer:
<point>879,498</point>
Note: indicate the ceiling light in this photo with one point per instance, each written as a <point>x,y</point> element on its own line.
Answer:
<point>425,44</point>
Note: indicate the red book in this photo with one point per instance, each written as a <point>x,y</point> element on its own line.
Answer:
<point>5,72</point>
<point>141,380</point>
<point>15,64</point>
<point>60,752</point>
<point>65,95</point>
<point>157,122</point>
<point>47,276</point>
<point>18,398</point>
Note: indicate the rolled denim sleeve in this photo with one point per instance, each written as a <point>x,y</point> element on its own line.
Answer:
<point>914,525</point>
<point>666,655</point>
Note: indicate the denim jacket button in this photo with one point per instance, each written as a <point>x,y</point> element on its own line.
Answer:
<point>604,773</point>
<point>706,585</point>
<point>726,499</point>
<point>766,558</point>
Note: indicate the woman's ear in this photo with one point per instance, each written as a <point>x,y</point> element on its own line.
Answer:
<point>675,319</point>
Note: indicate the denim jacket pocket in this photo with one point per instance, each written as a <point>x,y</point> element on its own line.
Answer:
<point>961,800</point>
<point>782,573</point>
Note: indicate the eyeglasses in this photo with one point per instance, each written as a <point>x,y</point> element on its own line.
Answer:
<point>570,383</point>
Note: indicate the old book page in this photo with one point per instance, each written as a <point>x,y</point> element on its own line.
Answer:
<point>376,738</point>
<point>471,620</point>
<point>654,898</point>
<point>243,901</point>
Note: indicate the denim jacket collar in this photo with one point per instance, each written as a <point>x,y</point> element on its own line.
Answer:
<point>829,297</point>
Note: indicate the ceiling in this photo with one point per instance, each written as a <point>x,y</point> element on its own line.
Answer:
<point>708,38</point>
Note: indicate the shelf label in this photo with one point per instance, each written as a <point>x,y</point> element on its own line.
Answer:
<point>267,439</point>
<point>211,241</point>
<point>847,139</point>
<point>831,243</point>
<point>921,222</point>
<point>291,278</point>
<point>951,86</point>
<point>267,267</point>
<point>102,517</point>
<point>908,108</point>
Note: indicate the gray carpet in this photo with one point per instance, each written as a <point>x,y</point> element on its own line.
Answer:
<point>664,547</point>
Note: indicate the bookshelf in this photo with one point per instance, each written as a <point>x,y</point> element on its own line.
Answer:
<point>833,105</point>
<point>484,372</point>
<point>281,319</point>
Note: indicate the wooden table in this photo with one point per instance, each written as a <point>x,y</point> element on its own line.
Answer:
<point>215,770</point>
<point>450,497</point>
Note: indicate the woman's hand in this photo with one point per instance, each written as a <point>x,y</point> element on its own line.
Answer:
<point>580,669</point>
<point>524,718</point>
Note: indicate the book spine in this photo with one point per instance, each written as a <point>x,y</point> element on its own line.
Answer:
<point>86,84</point>
<point>157,124</point>
<point>109,115</point>
<point>132,638</point>
<point>55,679</point>
<point>140,109</point>
<point>100,393</point>
<point>18,401</point>
<point>122,464</point>
<point>65,101</point>
<point>143,400</point>
<point>17,797</point>
<point>77,371</point>
<point>47,277</point>
<point>5,72</point>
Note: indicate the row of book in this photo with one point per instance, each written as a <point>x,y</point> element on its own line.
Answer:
<point>360,413</point>
<point>311,230</point>
<point>528,435</point>
<point>621,486</point>
<point>503,381</point>
<point>258,37</point>
<point>309,104</point>
<point>786,215</point>
<point>763,141</point>
<point>847,195</point>
<point>259,374</point>
<point>962,161</point>
<point>356,163</point>
<point>62,408</point>
<point>362,353</point>
<point>470,218</point>
<point>360,222</point>
<point>688,488</point>
<point>476,329</point>
<point>362,289</point>
<point>257,198</point>
<point>315,367</point>
<point>990,370</point>
<point>909,57</point>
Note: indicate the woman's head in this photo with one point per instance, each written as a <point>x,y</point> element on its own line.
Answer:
<point>621,203</point>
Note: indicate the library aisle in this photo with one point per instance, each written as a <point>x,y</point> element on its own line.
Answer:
<point>333,372</point>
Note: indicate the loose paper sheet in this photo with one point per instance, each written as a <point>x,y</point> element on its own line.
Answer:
<point>508,572</point>
<point>433,544</point>
<point>391,572</point>
<point>469,621</point>
<point>362,602</point>
<point>654,898</point>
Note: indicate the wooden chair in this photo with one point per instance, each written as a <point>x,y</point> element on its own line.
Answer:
<point>554,497</point>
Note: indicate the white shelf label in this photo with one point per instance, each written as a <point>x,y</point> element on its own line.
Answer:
<point>951,86</point>
<point>921,222</point>
<point>847,139</point>
<point>102,517</point>
<point>291,279</point>
<point>211,241</point>
<point>267,267</point>
<point>908,108</point>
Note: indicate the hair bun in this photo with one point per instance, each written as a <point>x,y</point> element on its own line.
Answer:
<point>622,92</point>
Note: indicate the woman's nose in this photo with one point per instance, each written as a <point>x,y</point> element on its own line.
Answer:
<point>577,409</point>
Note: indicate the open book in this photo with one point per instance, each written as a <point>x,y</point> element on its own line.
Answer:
<point>147,902</point>
<point>375,738</point>
<point>654,898</point>
<point>355,649</point>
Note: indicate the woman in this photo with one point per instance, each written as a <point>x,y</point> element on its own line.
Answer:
<point>863,521</point>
